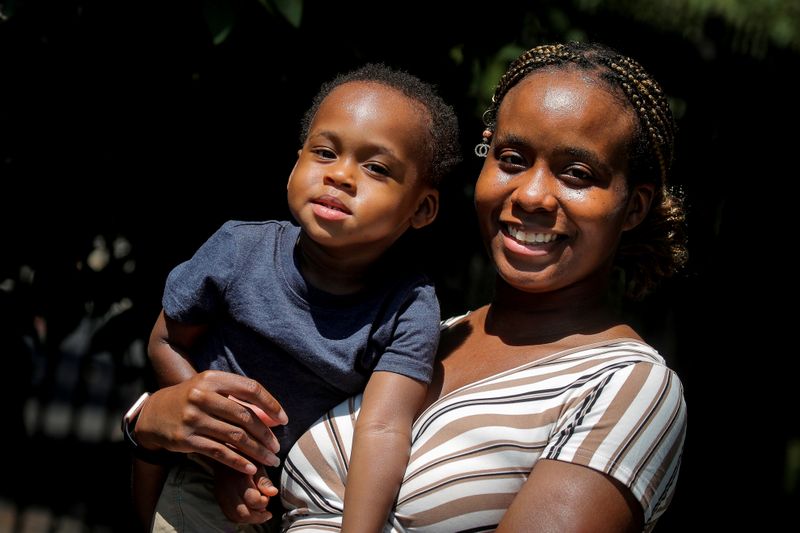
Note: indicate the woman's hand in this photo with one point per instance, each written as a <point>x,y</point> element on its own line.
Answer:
<point>196,416</point>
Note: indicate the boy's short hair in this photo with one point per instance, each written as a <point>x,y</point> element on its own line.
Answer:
<point>444,152</point>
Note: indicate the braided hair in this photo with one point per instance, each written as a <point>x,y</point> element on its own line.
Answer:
<point>443,149</point>
<point>656,248</point>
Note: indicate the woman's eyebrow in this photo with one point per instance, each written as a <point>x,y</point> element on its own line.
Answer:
<point>512,139</point>
<point>586,155</point>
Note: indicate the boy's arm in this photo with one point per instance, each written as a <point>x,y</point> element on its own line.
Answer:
<point>167,349</point>
<point>381,448</point>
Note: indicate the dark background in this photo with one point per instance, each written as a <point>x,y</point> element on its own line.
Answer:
<point>130,132</point>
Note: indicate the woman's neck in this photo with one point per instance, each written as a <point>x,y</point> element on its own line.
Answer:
<point>531,318</point>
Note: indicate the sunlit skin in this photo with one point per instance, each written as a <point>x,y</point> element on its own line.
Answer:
<point>557,171</point>
<point>553,200</point>
<point>556,174</point>
<point>357,185</point>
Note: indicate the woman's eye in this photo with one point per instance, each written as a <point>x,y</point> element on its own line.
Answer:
<point>579,173</point>
<point>510,158</point>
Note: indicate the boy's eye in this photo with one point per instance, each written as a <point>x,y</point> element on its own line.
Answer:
<point>324,153</point>
<point>377,168</point>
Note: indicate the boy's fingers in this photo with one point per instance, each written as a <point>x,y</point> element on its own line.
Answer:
<point>265,485</point>
<point>245,515</point>
<point>255,500</point>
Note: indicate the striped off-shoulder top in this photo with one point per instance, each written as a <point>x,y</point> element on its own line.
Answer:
<point>612,406</point>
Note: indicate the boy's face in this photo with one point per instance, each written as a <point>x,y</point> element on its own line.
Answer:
<point>357,184</point>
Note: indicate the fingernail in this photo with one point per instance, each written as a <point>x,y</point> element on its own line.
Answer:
<point>282,418</point>
<point>251,468</point>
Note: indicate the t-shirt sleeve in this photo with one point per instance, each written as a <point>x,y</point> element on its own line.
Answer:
<point>416,339</point>
<point>631,426</point>
<point>195,289</point>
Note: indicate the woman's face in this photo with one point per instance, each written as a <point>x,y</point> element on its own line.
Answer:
<point>552,198</point>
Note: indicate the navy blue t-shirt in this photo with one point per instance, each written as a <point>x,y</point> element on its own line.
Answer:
<point>308,348</point>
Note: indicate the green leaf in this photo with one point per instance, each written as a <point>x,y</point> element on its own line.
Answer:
<point>220,16</point>
<point>292,10</point>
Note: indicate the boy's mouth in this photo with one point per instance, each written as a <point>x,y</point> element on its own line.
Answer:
<point>331,202</point>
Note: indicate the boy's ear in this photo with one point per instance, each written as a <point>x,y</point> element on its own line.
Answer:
<point>427,209</point>
<point>293,168</point>
<point>638,205</point>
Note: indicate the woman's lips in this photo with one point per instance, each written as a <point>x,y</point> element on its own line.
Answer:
<point>532,243</point>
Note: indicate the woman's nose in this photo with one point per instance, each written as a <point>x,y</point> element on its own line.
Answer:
<point>536,190</point>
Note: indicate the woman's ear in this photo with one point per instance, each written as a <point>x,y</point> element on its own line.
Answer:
<point>638,205</point>
<point>427,209</point>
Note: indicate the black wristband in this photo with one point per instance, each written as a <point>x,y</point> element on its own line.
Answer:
<point>154,457</point>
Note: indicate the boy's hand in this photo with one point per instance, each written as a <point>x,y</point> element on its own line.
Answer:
<point>243,498</point>
<point>198,416</point>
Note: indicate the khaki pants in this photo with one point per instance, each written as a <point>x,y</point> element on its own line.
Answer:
<point>187,504</point>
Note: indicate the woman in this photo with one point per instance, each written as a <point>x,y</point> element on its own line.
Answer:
<point>546,412</point>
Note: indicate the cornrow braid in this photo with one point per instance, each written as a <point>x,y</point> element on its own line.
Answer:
<point>657,247</point>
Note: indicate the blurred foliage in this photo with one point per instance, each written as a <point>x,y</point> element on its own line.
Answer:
<point>152,126</point>
<point>750,27</point>
<point>221,15</point>
<point>485,77</point>
<point>754,23</point>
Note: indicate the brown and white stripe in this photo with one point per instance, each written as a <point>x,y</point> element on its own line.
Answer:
<point>614,407</point>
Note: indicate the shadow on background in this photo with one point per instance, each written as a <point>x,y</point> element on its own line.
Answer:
<point>128,135</point>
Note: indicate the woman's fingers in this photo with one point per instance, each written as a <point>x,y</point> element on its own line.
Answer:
<point>197,416</point>
<point>250,391</point>
<point>226,421</point>
<point>264,417</point>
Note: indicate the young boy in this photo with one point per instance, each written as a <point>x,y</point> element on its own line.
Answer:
<point>317,312</point>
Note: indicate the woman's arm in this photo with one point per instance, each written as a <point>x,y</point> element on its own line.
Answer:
<point>381,447</point>
<point>167,351</point>
<point>565,497</point>
<point>644,400</point>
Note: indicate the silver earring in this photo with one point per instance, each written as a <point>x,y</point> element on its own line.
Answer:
<point>482,148</point>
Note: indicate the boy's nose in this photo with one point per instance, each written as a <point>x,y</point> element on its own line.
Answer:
<point>341,177</point>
